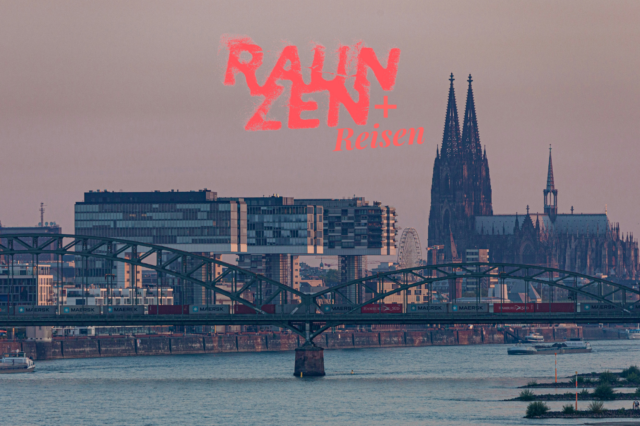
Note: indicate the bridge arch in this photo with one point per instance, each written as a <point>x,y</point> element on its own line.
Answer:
<point>590,288</point>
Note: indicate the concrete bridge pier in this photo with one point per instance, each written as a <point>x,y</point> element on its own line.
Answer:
<point>309,361</point>
<point>309,357</point>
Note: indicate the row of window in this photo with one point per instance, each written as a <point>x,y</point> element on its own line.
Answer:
<point>279,218</point>
<point>150,232</point>
<point>199,224</point>
<point>282,234</point>
<point>279,225</point>
<point>280,210</point>
<point>156,216</point>
<point>280,241</point>
<point>169,207</point>
<point>350,244</point>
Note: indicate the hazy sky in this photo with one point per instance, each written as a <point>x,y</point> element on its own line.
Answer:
<point>128,95</point>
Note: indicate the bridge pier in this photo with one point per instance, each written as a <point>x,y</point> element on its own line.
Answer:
<point>309,361</point>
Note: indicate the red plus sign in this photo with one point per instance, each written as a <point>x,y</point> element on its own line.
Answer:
<point>386,107</point>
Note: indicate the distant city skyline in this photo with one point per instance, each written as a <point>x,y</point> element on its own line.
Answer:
<point>84,106</point>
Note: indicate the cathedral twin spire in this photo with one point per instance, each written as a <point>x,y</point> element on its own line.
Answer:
<point>453,143</point>
<point>461,186</point>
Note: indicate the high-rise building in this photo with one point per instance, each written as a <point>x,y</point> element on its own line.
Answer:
<point>194,221</point>
<point>280,225</point>
<point>278,232</point>
<point>354,229</point>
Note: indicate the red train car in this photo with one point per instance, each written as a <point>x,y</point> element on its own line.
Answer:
<point>513,308</point>
<point>556,307</point>
<point>385,308</point>
<point>168,309</point>
<point>247,310</point>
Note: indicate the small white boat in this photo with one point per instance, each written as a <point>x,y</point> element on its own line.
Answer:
<point>16,362</point>
<point>534,338</point>
<point>633,333</point>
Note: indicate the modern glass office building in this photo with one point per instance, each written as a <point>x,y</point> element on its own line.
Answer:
<point>278,225</point>
<point>193,221</point>
<point>267,233</point>
<point>278,232</point>
<point>352,227</point>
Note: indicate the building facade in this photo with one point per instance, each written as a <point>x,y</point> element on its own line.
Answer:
<point>194,221</point>
<point>26,284</point>
<point>353,229</point>
<point>461,215</point>
<point>267,233</point>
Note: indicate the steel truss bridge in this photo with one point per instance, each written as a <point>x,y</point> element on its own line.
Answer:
<point>242,287</point>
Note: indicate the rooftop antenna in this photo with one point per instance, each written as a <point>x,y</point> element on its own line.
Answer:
<point>41,214</point>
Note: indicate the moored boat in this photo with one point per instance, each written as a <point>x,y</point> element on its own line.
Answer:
<point>573,346</point>
<point>16,362</point>
<point>633,333</point>
<point>534,338</point>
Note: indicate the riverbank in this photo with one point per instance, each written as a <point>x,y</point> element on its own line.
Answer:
<point>109,346</point>
<point>605,414</point>
<point>571,396</point>
<point>105,346</point>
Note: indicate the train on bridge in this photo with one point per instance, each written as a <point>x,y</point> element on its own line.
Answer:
<point>580,308</point>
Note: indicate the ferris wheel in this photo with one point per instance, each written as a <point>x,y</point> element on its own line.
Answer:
<point>409,253</point>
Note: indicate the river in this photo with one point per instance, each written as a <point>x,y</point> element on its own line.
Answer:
<point>443,385</point>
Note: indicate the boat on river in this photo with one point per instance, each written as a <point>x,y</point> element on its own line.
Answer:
<point>633,333</point>
<point>521,349</point>
<point>573,346</point>
<point>16,362</point>
<point>534,338</point>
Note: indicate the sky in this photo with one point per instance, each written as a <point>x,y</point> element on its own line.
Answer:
<point>129,95</point>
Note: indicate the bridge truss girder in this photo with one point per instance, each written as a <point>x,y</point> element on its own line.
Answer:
<point>175,263</point>
<point>114,250</point>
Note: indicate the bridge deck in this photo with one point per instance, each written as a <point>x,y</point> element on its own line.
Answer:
<point>362,319</point>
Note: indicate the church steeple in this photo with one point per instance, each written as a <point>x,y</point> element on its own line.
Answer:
<point>451,137</point>
<point>470,135</point>
<point>550,184</point>
<point>550,193</point>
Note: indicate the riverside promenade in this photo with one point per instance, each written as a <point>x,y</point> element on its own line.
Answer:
<point>110,346</point>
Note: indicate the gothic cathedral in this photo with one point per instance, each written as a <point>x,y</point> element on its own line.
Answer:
<point>461,215</point>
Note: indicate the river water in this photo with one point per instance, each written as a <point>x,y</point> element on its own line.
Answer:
<point>433,385</point>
